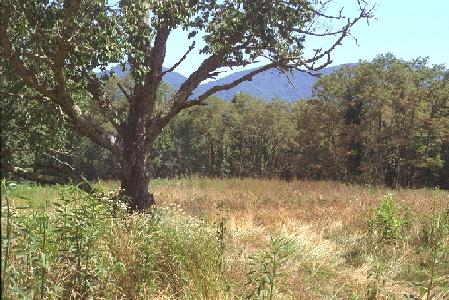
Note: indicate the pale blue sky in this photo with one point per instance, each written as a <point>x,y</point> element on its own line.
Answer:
<point>406,28</point>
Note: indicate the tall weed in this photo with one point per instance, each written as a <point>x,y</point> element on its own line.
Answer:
<point>87,246</point>
<point>386,223</point>
<point>268,267</point>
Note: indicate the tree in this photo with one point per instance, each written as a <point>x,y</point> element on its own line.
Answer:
<point>394,116</point>
<point>57,48</point>
<point>318,149</point>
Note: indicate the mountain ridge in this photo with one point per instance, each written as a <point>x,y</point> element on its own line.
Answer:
<point>267,85</point>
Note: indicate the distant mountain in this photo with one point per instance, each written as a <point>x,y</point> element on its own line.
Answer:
<point>267,85</point>
<point>173,78</point>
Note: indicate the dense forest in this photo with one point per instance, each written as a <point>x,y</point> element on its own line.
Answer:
<point>383,122</point>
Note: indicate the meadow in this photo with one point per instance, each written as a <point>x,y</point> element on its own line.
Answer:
<point>226,239</point>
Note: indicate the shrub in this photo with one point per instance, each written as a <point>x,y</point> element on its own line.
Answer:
<point>267,267</point>
<point>386,222</point>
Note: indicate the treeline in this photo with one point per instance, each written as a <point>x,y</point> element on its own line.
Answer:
<point>382,122</point>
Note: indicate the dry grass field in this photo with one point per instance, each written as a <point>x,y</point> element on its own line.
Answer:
<point>327,221</point>
<point>295,240</point>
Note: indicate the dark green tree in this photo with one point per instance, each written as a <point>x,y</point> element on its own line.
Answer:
<point>394,120</point>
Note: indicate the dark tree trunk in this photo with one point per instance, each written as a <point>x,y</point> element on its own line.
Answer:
<point>134,175</point>
<point>242,146</point>
<point>134,184</point>
<point>211,160</point>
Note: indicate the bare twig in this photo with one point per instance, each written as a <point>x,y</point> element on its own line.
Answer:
<point>191,47</point>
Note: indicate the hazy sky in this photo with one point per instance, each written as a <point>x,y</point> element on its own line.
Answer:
<point>407,28</point>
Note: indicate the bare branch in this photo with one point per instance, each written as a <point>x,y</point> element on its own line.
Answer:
<point>161,120</point>
<point>202,73</point>
<point>48,179</point>
<point>33,176</point>
<point>84,127</point>
<point>154,59</point>
<point>309,64</point>
<point>105,105</point>
<point>122,89</point>
<point>191,47</point>
<point>65,166</point>
<point>318,12</point>
<point>340,34</point>
<point>227,86</point>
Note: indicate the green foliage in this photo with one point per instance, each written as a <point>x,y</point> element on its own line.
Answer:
<point>360,128</point>
<point>435,229</point>
<point>187,252</point>
<point>86,246</point>
<point>390,121</point>
<point>387,223</point>
<point>27,133</point>
<point>382,122</point>
<point>267,268</point>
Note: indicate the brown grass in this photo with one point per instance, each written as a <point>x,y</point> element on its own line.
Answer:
<point>326,219</point>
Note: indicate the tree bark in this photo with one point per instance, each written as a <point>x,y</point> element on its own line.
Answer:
<point>134,185</point>
<point>134,176</point>
<point>134,182</point>
<point>49,179</point>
